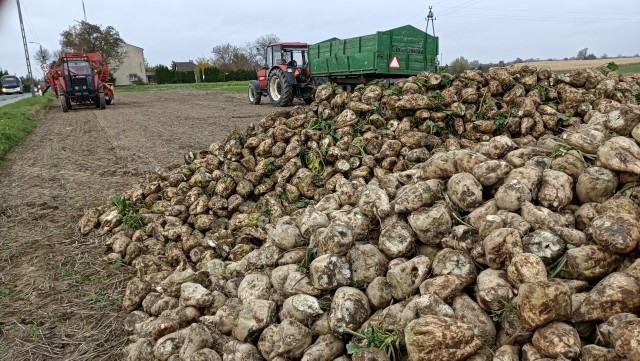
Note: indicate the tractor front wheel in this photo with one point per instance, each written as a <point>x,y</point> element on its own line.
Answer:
<point>102,100</point>
<point>254,97</point>
<point>63,104</point>
<point>280,91</point>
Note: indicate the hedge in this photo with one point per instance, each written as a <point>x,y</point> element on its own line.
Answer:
<point>164,75</point>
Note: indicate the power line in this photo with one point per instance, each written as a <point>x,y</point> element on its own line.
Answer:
<point>545,19</point>
<point>458,8</point>
<point>516,14</point>
<point>26,50</point>
<point>30,26</point>
<point>551,11</point>
<point>420,16</point>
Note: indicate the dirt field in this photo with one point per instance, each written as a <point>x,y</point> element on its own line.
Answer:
<point>58,299</point>
<point>561,65</point>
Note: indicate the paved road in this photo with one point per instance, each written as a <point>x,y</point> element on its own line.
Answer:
<point>12,98</point>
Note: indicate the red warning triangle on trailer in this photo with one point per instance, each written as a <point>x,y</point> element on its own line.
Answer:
<point>394,63</point>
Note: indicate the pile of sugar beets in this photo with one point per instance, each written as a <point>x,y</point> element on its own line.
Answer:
<point>484,216</point>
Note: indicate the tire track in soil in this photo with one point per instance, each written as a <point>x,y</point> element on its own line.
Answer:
<point>59,300</point>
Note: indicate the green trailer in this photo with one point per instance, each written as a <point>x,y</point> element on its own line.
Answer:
<point>394,53</point>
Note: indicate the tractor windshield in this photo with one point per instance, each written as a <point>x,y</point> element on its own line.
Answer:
<point>294,54</point>
<point>78,67</point>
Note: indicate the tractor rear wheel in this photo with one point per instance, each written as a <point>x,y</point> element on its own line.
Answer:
<point>280,91</point>
<point>102,100</point>
<point>63,104</point>
<point>254,97</point>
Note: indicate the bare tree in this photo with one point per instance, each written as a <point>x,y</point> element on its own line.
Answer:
<point>241,61</point>
<point>90,38</point>
<point>256,50</point>
<point>223,55</point>
<point>43,55</point>
<point>229,57</point>
<point>57,54</point>
<point>582,54</point>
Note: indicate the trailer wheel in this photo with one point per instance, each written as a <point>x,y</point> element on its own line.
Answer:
<point>254,98</point>
<point>280,91</point>
<point>102,100</point>
<point>63,104</point>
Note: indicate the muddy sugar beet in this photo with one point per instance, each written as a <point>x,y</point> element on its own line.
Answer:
<point>440,218</point>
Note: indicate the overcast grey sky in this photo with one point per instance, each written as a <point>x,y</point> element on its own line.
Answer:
<point>484,30</point>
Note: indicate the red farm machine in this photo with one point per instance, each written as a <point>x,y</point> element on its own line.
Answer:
<point>81,79</point>
<point>284,77</point>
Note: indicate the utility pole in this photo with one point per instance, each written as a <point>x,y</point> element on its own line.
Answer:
<point>26,51</point>
<point>432,19</point>
<point>84,11</point>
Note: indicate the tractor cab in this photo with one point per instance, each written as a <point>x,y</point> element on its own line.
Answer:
<point>78,82</point>
<point>284,76</point>
<point>291,56</point>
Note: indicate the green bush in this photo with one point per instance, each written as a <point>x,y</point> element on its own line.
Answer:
<point>164,75</point>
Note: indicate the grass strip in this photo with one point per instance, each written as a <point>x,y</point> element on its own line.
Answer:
<point>230,86</point>
<point>19,119</point>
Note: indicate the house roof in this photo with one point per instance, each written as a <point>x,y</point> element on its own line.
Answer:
<point>135,46</point>
<point>185,65</point>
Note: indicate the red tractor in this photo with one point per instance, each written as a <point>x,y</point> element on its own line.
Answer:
<point>284,77</point>
<point>81,79</point>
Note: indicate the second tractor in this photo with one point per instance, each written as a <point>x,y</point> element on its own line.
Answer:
<point>81,79</point>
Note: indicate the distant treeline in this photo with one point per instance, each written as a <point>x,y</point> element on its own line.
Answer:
<point>165,75</point>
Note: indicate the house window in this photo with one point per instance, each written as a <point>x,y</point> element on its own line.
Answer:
<point>133,78</point>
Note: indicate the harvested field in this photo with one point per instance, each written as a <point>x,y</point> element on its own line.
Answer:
<point>58,299</point>
<point>563,65</point>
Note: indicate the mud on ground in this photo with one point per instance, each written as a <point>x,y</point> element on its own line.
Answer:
<point>59,300</point>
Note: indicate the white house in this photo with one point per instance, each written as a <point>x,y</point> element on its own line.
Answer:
<point>131,70</point>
